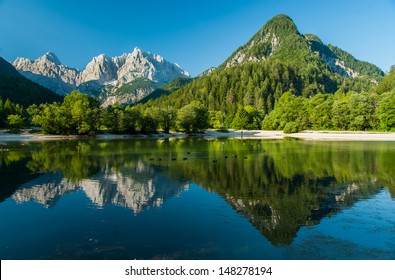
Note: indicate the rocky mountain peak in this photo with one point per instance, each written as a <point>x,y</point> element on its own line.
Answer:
<point>20,62</point>
<point>49,72</point>
<point>137,51</point>
<point>151,66</point>
<point>103,75</point>
<point>101,69</point>
<point>51,57</point>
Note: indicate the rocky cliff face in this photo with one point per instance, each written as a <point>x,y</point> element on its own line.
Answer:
<point>101,69</point>
<point>103,76</point>
<point>49,72</point>
<point>150,66</point>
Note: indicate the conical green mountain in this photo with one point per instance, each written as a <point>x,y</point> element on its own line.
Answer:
<point>278,58</point>
<point>279,37</point>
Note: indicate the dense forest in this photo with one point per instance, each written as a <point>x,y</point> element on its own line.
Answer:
<point>20,90</point>
<point>12,115</point>
<point>82,115</point>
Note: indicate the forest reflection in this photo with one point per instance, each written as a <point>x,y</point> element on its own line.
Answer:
<point>279,185</point>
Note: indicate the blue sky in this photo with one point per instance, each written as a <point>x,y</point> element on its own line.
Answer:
<point>194,34</point>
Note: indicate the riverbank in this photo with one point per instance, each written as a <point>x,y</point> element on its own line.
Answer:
<point>306,135</point>
<point>25,135</point>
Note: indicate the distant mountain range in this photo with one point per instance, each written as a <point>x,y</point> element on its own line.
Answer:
<point>122,79</point>
<point>18,89</point>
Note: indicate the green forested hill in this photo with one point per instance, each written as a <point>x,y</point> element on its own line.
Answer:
<point>255,84</point>
<point>277,59</point>
<point>166,89</point>
<point>365,69</point>
<point>18,89</point>
<point>7,69</point>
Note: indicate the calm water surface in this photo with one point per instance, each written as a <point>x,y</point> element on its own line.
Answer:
<point>197,199</point>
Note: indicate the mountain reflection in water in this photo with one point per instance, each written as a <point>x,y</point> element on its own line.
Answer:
<point>104,188</point>
<point>279,186</point>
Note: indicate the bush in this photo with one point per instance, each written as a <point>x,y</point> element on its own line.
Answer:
<point>292,127</point>
<point>15,121</point>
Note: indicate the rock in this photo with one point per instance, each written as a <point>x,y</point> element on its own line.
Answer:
<point>103,76</point>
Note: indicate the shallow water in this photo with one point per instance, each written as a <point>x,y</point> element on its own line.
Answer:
<point>197,199</point>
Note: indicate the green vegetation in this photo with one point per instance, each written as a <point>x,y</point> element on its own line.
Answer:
<point>131,92</point>
<point>7,69</point>
<point>388,82</point>
<point>351,111</point>
<point>257,87</point>
<point>24,92</point>
<point>18,89</point>
<point>252,84</point>
<point>363,68</point>
<point>137,84</point>
<point>386,111</point>
<point>248,87</point>
<point>77,114</point>
<point>192,117</point>
<point>167,89</point>
<point>16,92</point>
<point>279,80</point>
<point>120,120</point>
<point>11,115</point>
<point>82,115</point>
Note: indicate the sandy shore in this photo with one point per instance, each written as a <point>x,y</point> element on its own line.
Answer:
<point>306,135</point>
<point>212,134</point>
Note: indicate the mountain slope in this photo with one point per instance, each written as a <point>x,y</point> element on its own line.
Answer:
<point>49,72</point>
<point>269,40</point>
<point>280,39</point>
<point>7,69</point>
<point>278,58</point>
<point>342,62</point>
<point>107,78</point>
<point>167,89</point>
<point>20,90</point>
<point>130,93</point>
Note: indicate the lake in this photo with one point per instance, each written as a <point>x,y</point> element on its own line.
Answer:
<point>197,199</point>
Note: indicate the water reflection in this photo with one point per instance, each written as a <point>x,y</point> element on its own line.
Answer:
<point>136,189</point>
<point>280,186</point>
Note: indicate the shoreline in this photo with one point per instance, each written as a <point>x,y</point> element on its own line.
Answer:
<point>308,135</point>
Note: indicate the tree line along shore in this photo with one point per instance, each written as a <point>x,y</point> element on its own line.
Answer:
<point>79,114</point>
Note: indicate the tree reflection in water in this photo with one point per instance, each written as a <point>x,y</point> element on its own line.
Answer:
<point>279,185</point>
